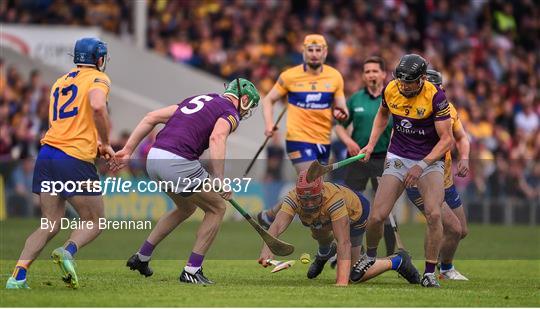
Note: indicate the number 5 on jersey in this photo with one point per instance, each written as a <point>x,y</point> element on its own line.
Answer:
<point>198,104</point>
<point>62,113</point>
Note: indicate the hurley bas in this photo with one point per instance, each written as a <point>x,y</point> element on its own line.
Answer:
<point>102,224</point>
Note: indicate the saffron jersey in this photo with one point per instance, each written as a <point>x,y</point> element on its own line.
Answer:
<point>71,117</point>
<point>310,99</point>
<point>338,202</point>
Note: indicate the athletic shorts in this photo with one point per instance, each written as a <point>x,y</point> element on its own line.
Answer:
<point>186,176</point>
<point>399,166</point>
<point>451,197</point>
<point>359,173</point>
<point>358,227</point>
<point>54,165</point>
<point>304,152</point>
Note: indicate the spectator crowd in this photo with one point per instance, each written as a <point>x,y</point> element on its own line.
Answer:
<point>488,52</point>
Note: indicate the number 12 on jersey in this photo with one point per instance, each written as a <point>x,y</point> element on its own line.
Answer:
<point>62,113</point>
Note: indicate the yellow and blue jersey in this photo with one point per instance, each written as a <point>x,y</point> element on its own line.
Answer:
<point>71,120</point>
<point>414,134</point>
<point>456,127</point>
<point>338,202</point>
<point>310,99</point>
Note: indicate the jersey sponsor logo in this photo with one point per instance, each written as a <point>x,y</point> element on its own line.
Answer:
<point>405,126</point>
<point>313,97</point>
<point>359,109</point>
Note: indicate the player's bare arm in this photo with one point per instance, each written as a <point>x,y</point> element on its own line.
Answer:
<point>352,147</point>
<point>280,224</point>
<point>217,148</point>
<point>445,143</point>
<point>268,109</point>
<point>463,146</point>
<point>98,102</point>
<point>341,230</point>
<point>340,110</point>
<point>144,127</point>
<point>379,125</point>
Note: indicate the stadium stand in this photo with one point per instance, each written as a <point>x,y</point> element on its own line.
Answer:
<point>486,50</point>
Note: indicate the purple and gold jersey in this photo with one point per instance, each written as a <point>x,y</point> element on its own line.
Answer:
<point>188,131</point>
<point>414,134</point>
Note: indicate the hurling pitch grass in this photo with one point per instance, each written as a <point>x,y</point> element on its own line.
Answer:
<point>502,263</point>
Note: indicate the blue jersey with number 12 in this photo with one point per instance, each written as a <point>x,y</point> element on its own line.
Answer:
<point>187,133</point>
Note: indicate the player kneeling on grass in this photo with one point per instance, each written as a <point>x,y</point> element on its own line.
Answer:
<point>191,127</point>
<point>334,211</point>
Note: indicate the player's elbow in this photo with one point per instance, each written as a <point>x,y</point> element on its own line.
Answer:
<point>449,142</point>
<point>217,139</point>
<point>151,118</point>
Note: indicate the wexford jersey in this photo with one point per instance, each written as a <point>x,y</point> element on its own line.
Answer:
<point>187,133</point>
<point>71,118</point>
<point>338,202</point>
<point>310,99</point>
<point>414,134</point>
<point>456,127</point>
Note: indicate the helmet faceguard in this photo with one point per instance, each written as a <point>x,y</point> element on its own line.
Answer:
<point>410,74</point>
<point>309,193</point>
<point>239,88</point>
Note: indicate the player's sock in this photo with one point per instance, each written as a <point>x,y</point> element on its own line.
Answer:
<point>446,267</point>
<point>324,250</point>
<point>396,261</point>
<point>430,268</point>
<point>194,263</point>
<point>145,252</point>
<point>20,272</point>
<point>389,239</point>
<point>71,247</point>
<point>371,252</point>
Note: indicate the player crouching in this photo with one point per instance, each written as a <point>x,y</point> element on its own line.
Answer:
<point>334,211</point>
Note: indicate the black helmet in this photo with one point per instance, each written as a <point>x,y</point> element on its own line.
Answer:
<point>410,73</point>
<point>434,77</point>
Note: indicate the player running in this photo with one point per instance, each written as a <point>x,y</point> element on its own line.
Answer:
<point>453,215</point>
<point>422,135</point>
<point>363,106</point>
<point>191,127</point>
<point>334,211</point>
<point>314,93</point>
<point>78,118</point>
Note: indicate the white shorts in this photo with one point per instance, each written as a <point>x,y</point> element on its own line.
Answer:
<point>399,166</point>
<point>184,174</point>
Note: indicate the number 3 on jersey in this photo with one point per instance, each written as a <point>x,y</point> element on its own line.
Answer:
<point>62,113</point>
<point>198,104</point>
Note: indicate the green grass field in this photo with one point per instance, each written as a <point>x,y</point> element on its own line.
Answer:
<point>502,263</point>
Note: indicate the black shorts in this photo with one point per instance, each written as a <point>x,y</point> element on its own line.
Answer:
<point>359,173</point>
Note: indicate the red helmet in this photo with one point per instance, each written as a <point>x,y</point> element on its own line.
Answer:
<point>309,193</point>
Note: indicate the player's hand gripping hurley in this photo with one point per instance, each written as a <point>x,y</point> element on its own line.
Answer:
<point>316,169</point>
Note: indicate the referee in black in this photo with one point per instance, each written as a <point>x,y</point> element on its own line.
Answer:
<point>363,106</point>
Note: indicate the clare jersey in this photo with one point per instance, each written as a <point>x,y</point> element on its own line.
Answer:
<point>187,132</point>
<point>71,117</point>
<point>310,99</point>
<point>414,134</point>
<point>456,127</point>
<point>338,202</point>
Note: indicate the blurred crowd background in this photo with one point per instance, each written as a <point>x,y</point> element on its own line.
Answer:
<point>488,52</point>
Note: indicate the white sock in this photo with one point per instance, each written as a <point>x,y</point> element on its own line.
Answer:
<point>192,270</point>
<point>143,258</point>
